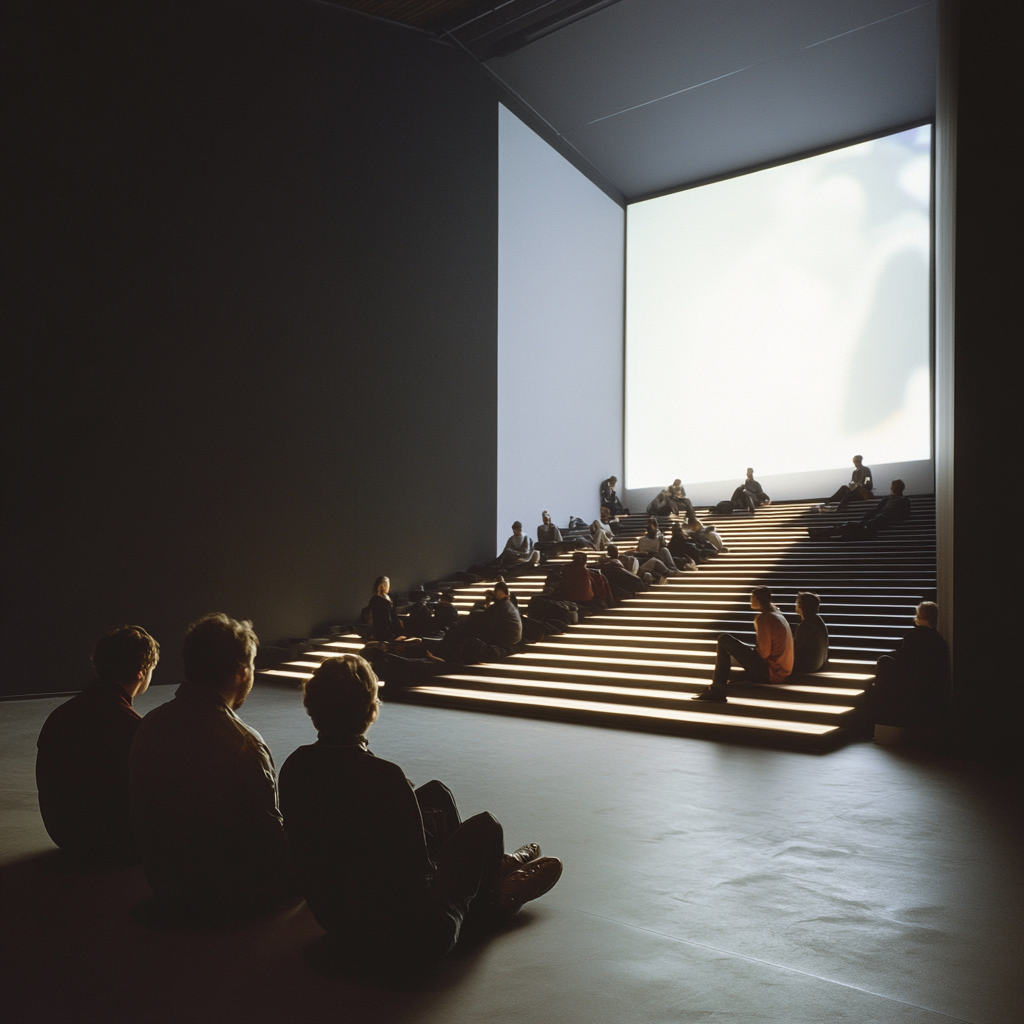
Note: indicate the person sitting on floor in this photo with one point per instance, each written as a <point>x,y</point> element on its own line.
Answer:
<point>682,547</point>
<point>750,494</point>
<point>488,634</point>
<point>810,644</point>
<point>858,489</point>
<point>549,537</point>
<point>601,532</point>
<point>204,792</point>
<point>390,872</point>
<point>623,582</point>
<point>83,750</point>
<point>912,684</point>
<point>610,500</point>
<point>769,661</point>
<point>446,615</point>
<point>582,585</point>
<point>652,545</point>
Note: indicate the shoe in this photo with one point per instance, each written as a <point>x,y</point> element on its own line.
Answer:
<point>647,578</point>
<point>513,861</point>
<point>527,883</point>
<point>712,696</point>
<point>690,568</point>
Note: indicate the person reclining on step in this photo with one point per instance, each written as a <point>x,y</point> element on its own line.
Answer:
<point>652,545</point>
<point>83,751</point>
<point>204,791</point>
<point>390,872</point>
<point>484,635</point>
<point>623,582</point>
<point>858,489</point>
<point>810,644</point>
<point>893,509</point>
<point>750,494</point>
<point>610,500</point>
<point>769,661</point>
<point>912,684</point>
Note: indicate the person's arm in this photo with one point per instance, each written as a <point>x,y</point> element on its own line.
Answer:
<point>763,634</point>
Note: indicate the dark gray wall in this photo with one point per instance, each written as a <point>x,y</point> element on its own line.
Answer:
<point>250,320</point>
<point>987,487</point>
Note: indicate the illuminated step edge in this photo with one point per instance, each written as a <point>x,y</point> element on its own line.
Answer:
<point>512,665</point>
<point>632,691</point>
<point>633,711</point>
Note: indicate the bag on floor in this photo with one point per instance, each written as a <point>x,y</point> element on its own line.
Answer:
<point>725,508</point>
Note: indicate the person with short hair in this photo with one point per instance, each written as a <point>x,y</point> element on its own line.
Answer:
<point>446,615</point>
<point>623,582</point>
<point>750,494</point>
<point>203,790</point>
<point>419,616</point>
<point>549,538</point>
<point>677,495</point>
<point>894,508</point>
<point>652,545</point>
<point>492,632</point>
<point>810,643</point>
<point>83,751</point>
<point>858,489</point>
<point>912,684</point>
<point>391,873</point>
<point>384,621</point>
<point>601,532</point>
<point>770,660</point>
<point>610,500</point>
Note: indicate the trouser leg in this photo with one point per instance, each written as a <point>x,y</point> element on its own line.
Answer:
<point>844,496</point>
<point>440,815</point>
<point>728,648</point>
<point>469,863</point>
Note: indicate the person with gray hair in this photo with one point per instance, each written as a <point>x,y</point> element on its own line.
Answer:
<point>391,873</point>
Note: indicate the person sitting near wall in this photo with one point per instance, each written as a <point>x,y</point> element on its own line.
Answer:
<point>770,660</point>
<point>810,644</point>
<point>517,557</point>
<point>912,684</point>
<point>601,531</point>
<point>623,582</point>
<point>750,494</point>
<point>858,489</point>
<point>610,500</point>
<point>652,545</point>
<point>549,538</point>
<point>384,621</point>
<point>661,505</point>
<point>677,495</point>
<point>83,751</point>
<point>391,873</point>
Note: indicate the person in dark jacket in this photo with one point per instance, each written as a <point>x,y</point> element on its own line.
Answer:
<point>750,494</point>
<point>384,621</point>
<point>894,508</point>
<point>610,500</point>
<point>446,615</point>
<point>858,489</point>
<point>912,684</point>
<point>389,872</point>
<point>810,642</point>
<point>83,751</point>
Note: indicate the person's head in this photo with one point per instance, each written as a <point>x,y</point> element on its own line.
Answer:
<point>447,597</point>
<point>381,585</point>
<point>418,596</point>
<point>761,599</point>
<point>488,598</point>
<point>517,527</point>
<point>896,488</point>
<point>807,603</point>
<point>501,591</point>
<point>857,460</point>
<point>545,518</point>
<point>341,696</point>
<point>677,482</point>
<point>927,615</point>
<point>750,473</point>
<point>219,654</point>
<point>677,530</point>
<point>612,481</point>
<point>652,526</point>
<point>606,514</point>
<point>579,558</point>
<point>126,656</point>
<point>613,550</point>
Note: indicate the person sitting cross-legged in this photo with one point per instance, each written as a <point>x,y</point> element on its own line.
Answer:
<point>204,792</point>
<point>391,873</point>
<point>769,661</point>
<point>83,751</point>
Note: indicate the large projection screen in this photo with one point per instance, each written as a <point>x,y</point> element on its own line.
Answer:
<point>781,319</point>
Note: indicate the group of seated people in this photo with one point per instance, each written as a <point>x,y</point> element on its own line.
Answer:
<point>893,509</point>
<point>391,873</point>
<point>911,685</point>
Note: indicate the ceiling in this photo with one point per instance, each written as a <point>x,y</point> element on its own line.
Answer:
<point>648,96</point>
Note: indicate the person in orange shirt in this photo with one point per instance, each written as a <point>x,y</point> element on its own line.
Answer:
<point>769,661</point>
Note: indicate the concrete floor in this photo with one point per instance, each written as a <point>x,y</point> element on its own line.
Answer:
<point>702,882</point>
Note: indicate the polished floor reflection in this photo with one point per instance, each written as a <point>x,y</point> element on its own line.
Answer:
<point>702,881</point>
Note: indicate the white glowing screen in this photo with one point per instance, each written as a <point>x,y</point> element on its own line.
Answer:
<point>781,319</point>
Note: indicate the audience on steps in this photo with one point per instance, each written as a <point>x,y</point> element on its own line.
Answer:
<point>770,660</point>
<point>83,751</point>
<point>858,489</point>
<point>391,873</point>
<point>610,500</point>
<point>810,643</point>
<point>652,545</point>
<point>601,530</point>
<point>750,494</point>
<point>893,509</point>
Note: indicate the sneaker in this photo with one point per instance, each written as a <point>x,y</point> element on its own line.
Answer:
<point>513,861</point>
<point>527,883</point>
<point>713,696</point>
<point>648,579</point>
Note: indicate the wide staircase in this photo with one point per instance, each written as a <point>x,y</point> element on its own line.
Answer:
<point>640,664</point>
